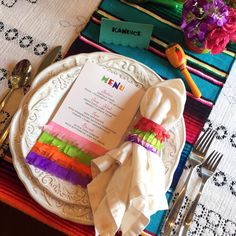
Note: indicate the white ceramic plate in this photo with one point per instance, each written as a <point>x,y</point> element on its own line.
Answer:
<point>58,196</point>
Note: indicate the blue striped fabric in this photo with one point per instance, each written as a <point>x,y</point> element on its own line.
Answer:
<point>158,64</point>
<point>209,72</point>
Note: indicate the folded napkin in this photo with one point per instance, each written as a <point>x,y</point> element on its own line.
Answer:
<point>128,183</point>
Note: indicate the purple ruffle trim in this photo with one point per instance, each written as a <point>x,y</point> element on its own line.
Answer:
<point>53,168</point>
<point>136,139</point>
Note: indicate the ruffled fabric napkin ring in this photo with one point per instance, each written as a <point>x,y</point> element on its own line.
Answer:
<point>148,134</point>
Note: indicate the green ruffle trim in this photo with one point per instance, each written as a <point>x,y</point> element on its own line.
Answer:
<point>149,137</point>
<point>66,148</point>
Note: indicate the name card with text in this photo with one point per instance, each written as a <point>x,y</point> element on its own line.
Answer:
<point>125,33</point>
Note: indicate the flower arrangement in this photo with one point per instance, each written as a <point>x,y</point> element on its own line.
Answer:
<point>208,25</point>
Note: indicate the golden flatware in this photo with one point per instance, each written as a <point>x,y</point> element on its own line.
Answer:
<point>19,78</point>
<point>48,60</point>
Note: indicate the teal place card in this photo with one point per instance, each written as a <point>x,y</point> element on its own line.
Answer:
<point>125,33</point>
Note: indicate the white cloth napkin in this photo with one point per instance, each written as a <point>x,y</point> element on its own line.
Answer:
<point>129,182</point>
<point>215,214</point>
<point>29,29</point>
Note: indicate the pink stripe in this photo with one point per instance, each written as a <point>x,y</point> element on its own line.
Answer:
<point>152,49</point>
<point>149,233</point>
<point>96,20</point>
<point>58,131</point>
<point>94,44</point>
<point>191,128</point>
<point>207,77</point>
<point>191,137</point>
<point>201,100</point>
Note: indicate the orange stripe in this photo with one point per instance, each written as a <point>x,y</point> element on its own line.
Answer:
<point>53,153</point>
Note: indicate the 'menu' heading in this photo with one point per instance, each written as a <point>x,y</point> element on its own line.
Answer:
<point>113,83</point>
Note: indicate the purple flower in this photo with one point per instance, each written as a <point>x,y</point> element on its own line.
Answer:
<point>200,17</point>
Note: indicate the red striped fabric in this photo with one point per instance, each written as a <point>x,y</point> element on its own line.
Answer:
<point>13,192</point>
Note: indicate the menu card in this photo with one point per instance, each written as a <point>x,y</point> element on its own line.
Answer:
<point>99,107</point>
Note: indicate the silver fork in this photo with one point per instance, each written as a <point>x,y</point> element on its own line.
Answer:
<point>196,157</point>
<point>207,168</point>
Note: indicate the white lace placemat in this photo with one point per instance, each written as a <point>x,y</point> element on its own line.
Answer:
<point>29,29</point>
<point>215,213</point>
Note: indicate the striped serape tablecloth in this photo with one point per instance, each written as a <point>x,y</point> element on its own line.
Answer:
<point>210,73</point>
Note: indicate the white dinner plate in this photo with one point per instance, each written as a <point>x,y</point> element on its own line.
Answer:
<point>50,86</point>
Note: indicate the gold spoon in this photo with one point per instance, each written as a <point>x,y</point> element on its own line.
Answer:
<point>48,60</point>
<point>20,77</point>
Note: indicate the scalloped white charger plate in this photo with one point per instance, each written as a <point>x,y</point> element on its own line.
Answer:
<point>50,86</point>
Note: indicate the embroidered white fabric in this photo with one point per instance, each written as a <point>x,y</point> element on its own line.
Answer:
<point>215,214</point>
<point>29,29</point>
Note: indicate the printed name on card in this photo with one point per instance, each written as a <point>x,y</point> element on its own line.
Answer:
<point>125,33</point>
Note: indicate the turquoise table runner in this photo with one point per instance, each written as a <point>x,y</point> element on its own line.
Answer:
<point>209,71</point>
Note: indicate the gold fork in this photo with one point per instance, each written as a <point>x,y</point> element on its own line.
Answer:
<point>207,168</point>
<point>196,157</point>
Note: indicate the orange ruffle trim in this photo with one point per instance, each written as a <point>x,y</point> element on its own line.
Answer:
<point>52,153</point>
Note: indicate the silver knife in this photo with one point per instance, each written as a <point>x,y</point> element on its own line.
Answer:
<point>47,61</point>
